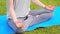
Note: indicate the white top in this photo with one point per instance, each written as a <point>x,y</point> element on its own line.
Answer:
<point>21,7</point>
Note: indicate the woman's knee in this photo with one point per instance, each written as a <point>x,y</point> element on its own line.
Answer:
<point>45,15</point>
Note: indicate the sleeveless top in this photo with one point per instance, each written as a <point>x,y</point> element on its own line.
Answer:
<point>21,8</point>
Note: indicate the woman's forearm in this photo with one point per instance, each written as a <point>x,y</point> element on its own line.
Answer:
<point>12,12</point>
<point>13,15</point>
<point>37,2</point>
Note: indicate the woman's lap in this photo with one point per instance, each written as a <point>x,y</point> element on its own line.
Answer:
<point>43,16</point>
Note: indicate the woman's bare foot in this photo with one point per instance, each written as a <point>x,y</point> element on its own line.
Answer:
<point>37,15</point>
<point>29,15</point>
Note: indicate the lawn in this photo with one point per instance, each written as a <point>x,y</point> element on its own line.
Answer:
<point>49,30</point>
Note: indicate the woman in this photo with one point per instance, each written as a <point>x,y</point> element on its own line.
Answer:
<point>20,17</point>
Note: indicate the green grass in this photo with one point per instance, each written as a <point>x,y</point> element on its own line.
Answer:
<point>2,7</point>
<point>46,2</point>
<point>49,30</point>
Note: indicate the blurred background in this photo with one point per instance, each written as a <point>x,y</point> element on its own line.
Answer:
<point>49,30</point>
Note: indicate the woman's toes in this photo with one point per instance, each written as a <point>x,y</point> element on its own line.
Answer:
<point>37,15</point>
<point>29,15</point>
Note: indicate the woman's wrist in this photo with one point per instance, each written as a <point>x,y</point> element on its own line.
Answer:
<point>15,20</point>
<point>44,6</point>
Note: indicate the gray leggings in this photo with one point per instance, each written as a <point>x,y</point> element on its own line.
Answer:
<point>31,20</point>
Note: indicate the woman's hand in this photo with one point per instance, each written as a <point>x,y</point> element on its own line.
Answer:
<point>19,23</point>
<point>50,7</point>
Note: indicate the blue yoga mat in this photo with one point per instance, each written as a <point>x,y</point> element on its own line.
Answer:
<point>55,20</point>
